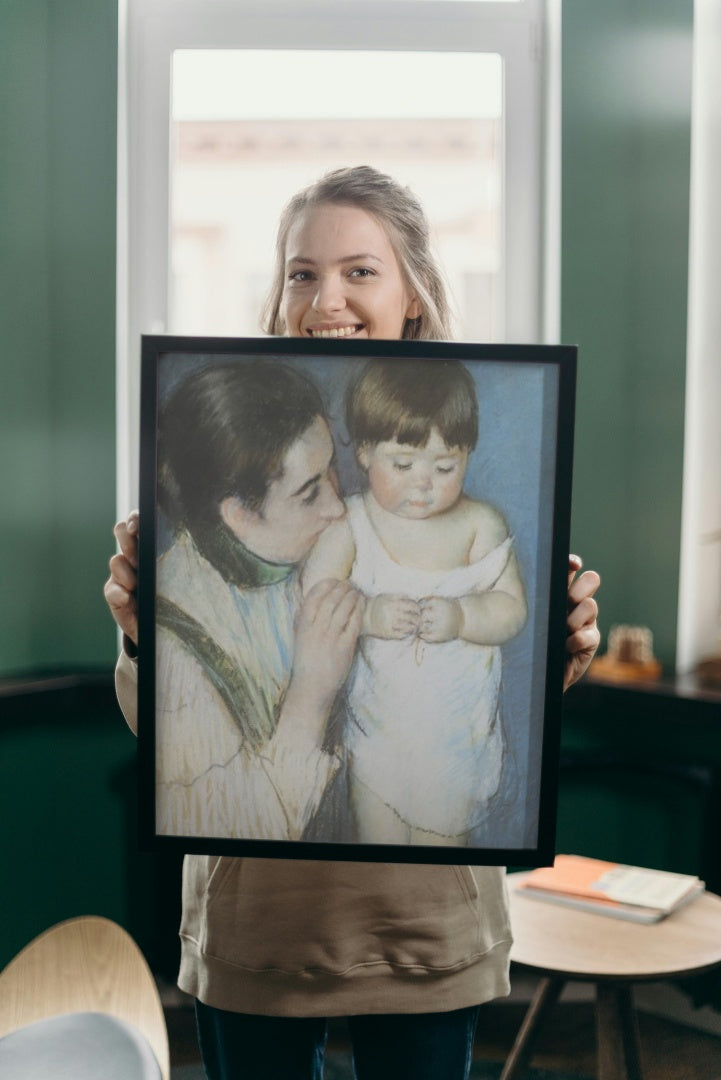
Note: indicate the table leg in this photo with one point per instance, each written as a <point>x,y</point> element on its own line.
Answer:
<point>617,1033</point>
<point>545,997</point>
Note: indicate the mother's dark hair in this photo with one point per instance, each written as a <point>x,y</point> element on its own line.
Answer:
<point>225,432</point>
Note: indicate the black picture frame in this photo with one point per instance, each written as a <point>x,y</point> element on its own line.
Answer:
<point>522,466</point>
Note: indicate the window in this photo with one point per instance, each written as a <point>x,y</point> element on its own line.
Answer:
<point>236,161</point>
<point>227,107</point>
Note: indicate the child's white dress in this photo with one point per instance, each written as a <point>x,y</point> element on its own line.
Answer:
<point>423,730</point>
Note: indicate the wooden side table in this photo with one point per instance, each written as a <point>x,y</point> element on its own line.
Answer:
<point>563,944</point>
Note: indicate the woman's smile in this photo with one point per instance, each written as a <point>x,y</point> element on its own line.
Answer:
<point>335,331</point>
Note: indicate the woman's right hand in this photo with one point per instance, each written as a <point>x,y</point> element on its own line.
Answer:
<point>121,587</point>
<point>327,631</point>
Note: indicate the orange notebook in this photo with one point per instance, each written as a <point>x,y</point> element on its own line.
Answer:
<point>631,892</point>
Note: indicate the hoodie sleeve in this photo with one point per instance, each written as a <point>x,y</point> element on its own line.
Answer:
<point>126,689</point>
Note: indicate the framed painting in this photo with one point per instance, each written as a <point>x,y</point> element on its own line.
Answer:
<point>352,597</point>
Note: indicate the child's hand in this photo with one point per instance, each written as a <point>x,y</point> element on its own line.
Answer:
<point>441,619</point>
<point>391,617</point>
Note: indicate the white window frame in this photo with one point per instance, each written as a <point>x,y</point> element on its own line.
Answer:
<point>526,34</point>
<point>699,597</point>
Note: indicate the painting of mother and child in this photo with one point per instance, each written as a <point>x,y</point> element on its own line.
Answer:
<point>351,620</point>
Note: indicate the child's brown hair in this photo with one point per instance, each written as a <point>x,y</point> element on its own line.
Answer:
<point>405,399</point>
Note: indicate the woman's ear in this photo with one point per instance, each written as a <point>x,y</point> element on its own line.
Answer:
<point>415,309</point>
<point>237,517</point>
<point>362,455</point>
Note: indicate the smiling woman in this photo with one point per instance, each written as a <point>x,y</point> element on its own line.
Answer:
<point>301,940</point>
<point>353,259</point>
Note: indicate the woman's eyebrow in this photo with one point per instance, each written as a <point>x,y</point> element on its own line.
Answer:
<point>308,484</point>
<point>360,257</point>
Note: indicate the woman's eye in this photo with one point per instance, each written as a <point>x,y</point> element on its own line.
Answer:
<point>300,276</point>
<point>362,272</point>
<point>312,495</point>
<point>402,466</point>
<point>445,468</point>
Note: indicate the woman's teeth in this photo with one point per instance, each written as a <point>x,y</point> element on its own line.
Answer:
<point>337,331</point>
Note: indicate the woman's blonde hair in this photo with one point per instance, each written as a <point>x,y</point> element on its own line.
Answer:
<point>403,217</point>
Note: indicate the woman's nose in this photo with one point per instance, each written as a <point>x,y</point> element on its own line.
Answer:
<point>329,295</point>
<point>333,506</point>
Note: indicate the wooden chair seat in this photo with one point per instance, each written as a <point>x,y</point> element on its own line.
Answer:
<point>81,966</point>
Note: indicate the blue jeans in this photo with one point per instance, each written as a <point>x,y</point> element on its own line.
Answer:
<point>415,1046</point>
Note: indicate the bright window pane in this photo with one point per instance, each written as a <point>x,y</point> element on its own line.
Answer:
<point>252,127</point>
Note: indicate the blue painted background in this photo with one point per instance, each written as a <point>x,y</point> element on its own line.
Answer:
<point>513,468</point>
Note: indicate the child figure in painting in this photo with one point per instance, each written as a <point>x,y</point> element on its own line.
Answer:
<point>444,592</point>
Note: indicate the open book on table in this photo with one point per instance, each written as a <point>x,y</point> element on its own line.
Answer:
<point>609,888</point>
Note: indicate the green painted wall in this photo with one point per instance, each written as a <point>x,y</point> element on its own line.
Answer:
<point>626,145</point>
<point>58,71</point>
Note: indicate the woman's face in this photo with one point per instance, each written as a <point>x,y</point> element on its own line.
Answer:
<point>299,504</point>
<point>342,277</point>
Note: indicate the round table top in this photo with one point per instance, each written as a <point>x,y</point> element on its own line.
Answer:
<point>559,940</point>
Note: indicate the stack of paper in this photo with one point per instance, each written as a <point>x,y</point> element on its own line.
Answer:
<point>624,892</point>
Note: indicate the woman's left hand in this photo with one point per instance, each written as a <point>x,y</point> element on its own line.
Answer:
<point>582,633</point>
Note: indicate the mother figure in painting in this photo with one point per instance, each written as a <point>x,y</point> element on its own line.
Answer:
<point>247,481</point>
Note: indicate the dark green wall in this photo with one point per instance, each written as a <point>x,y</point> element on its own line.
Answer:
<point>58,73</point>
<point>626,146</point>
